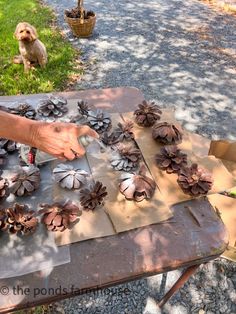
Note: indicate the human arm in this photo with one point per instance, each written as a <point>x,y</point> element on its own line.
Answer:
<point>55,138</point>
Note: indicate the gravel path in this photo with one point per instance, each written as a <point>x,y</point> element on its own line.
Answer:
<point>178,53</point>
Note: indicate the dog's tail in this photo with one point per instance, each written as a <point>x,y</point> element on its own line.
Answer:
<point>17,59</point>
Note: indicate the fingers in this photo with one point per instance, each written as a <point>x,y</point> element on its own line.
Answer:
<point>78,149</point>
<point>69,154</point>
<point>86,130</point>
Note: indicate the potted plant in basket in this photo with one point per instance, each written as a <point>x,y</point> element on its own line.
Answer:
<point>81,22</point>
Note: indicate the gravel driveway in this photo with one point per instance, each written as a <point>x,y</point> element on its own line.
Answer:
<point>182,54</point>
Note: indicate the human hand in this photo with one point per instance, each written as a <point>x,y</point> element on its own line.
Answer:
<point>60,139</point>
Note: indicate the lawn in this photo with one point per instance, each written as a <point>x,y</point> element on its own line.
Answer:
<point>61,55</point>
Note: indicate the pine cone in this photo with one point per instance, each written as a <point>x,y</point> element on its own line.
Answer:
<point>92,196</point>
<point>20,219</point>
<point>24,110</point>
<point>166,133</point>
<point>53,106</point>
<point>4,191</point>
<point>171,159</point>
<point>138,186</point>
<point>83,108</point>
<point>3,225</point>
<point>147,114</point>
<point>25,181</point>
<point>124,131</point>
<point>109,139</point>
<point>121,133</point>
<point>8,145</point>
<point>195,181</point>
<point>58,217</point>
<point>126,158</point>
<point>99,121</point>
<point>68,177</point>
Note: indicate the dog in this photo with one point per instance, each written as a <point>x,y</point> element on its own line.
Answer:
<point>32,50</point>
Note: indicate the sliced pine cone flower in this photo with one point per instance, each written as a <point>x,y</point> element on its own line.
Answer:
<point>99,121</point>
<point>53,107</point>
<point>58,216</point>
<point>138,186</point>
<point>166,133</point>
<point>121,133</point>
<point>171,159</point>
<point>4,190</point>
<point>68,177</point>
<point>124,131</point>
<point>93,196</point>
<point>147,114</point>
<point>83,108</point>
<point>24,110</point>
<point>8,145</point>
<point>20,219</point>
<point>195,181</point>
<point>109,139</point>
<point>3,225</point>
<point>25,181</point>
<point>126,158</point>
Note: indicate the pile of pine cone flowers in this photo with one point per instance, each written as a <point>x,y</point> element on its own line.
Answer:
<point>194,180</point>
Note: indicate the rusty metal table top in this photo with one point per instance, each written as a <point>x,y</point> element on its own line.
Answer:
<point>126,256</point>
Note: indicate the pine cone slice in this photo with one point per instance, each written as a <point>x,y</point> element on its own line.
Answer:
<point>124,131</point>
<point>24,110</point>
<point>171,159</point>
<point>8,145</point>
<point>3,225</point>
<point>147,114</point>
<point>25,181</point>
<point>93,196</point>
<point>195,181</point>
<point>166,133</point>
<point>125,157</point>
<point>138,186</point>
<point>99,121</point>
<point>53,107</point>
<point>83,107</point>
<point>59,217</point>
<point>4,190</point>
<point>20,219</point>
<point>68,177</point>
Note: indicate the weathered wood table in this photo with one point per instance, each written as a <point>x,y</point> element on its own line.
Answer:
<point>99,263</point>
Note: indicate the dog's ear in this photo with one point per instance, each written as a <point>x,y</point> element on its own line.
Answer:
<point>33,33</point>
<point>16,34</point>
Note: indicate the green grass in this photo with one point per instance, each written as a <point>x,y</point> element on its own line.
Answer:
<point>61,55</point>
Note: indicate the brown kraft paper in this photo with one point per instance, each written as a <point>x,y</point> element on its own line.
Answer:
<point>124,214</point>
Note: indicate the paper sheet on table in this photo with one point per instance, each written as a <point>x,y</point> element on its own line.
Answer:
<point>167,183</point>
<point>124,214</point>
<point>91,224</point>
<point>227,208</point>
<point>21,255</point>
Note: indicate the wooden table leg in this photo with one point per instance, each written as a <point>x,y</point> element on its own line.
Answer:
<point>179,283</point>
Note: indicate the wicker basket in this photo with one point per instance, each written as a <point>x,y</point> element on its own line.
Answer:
<point>81,27</point>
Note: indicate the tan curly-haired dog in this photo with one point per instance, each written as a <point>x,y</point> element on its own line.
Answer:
<point>32,50</point>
